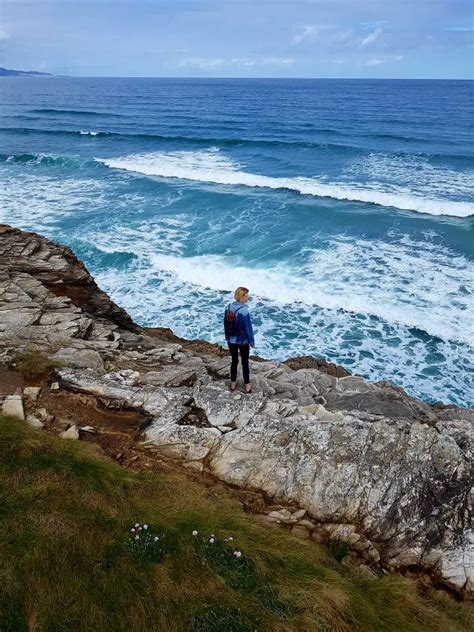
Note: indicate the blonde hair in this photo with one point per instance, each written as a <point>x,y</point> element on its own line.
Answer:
<point>240,292</point>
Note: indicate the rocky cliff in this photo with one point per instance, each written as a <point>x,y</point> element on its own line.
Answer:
<point>348,460</point>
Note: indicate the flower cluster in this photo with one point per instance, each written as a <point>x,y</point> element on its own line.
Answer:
<point>144,543</point>
<point>212,540</point>
<point>228,561</point>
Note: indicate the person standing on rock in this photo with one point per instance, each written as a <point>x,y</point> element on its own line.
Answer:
<point>239,335</point>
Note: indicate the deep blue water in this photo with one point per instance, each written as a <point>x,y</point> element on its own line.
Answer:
<point>346,206</point>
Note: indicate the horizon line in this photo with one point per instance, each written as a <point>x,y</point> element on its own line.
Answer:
<point>45,75</point>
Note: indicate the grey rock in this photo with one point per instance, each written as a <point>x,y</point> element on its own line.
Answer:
<point>366,572</point>
<point>39,260</point>
<point>70,433</point>
<point>372,555</point>
<point>32,392</point>
<point>317,536</point>
<point>221,407</point>
<point>275,515</point>
<point>79,358</point>
<point>34,422</point>
<point>62,424</point>
<point>12,406</point>
<point>299,514</point>
<point>320,412</point>
<point>301,532</point>
<point>42,413</point>
<point>89,429</point>
<point>170,376</point>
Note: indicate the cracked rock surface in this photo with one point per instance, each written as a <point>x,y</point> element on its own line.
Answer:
<point>361,459</point>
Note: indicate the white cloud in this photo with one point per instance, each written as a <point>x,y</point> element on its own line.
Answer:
<point>203,63</point>
<point>170,51</point>
<point>3,35</point>
<point>376,61</point>
<point>342,37</point>
<point>370,38</point>
<point>250,62</point>
<point>243,61</point>
<point>309,31</point>
<point>277,61</point>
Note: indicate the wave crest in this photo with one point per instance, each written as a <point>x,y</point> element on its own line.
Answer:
<point>52,160</point>
<point>74,112</point>
<point>214,167</point>
<point>92,133</point>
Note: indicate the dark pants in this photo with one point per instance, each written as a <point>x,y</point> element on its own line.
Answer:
<point>244,355</point>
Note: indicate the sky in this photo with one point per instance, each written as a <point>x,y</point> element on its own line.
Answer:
<point>240,38</point>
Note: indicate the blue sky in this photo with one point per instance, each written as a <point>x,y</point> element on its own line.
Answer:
<point>240,38</point>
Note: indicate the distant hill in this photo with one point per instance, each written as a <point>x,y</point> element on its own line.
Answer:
<point>5,72</point>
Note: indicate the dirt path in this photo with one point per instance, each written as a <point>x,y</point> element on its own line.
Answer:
<point>118,435</point>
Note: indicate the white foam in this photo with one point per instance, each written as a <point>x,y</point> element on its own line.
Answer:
<point>364,304</point>
<point>414,283</point>
<point>163,234</point>
<point>36,202</point>
<point>92,133</point>
<point>404,282</point>
<point>214,167</point>
<point>336,280</point>
<point>187,295</point>
<point>415,172</point>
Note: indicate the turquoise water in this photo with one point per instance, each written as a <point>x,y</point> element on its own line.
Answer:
<point>346,207</point>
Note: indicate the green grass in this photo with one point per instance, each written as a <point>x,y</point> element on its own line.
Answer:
<point>34,365</point>
<point>338,549</point>
<point>67,560</point>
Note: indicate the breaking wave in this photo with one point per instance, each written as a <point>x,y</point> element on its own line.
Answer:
<point>213,167</point>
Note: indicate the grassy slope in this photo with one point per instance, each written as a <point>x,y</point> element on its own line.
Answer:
<point>64,515</point>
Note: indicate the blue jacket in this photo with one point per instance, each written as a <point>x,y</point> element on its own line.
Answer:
<point>244,325</point>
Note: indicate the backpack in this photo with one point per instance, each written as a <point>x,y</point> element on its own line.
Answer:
<point>231,327</point>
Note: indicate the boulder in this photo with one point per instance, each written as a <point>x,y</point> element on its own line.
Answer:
<point>70,433</point>
<point>13,407</point>
<point>32,392</point>
<point>34,422</point>
<point>79,358</point>
<point>301,532</point>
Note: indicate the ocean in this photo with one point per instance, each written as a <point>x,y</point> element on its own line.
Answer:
<point>346,206</point>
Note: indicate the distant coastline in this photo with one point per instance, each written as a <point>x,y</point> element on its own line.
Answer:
<point>7,72</point>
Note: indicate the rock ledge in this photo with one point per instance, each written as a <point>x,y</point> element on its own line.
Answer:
<point>363,463</point>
